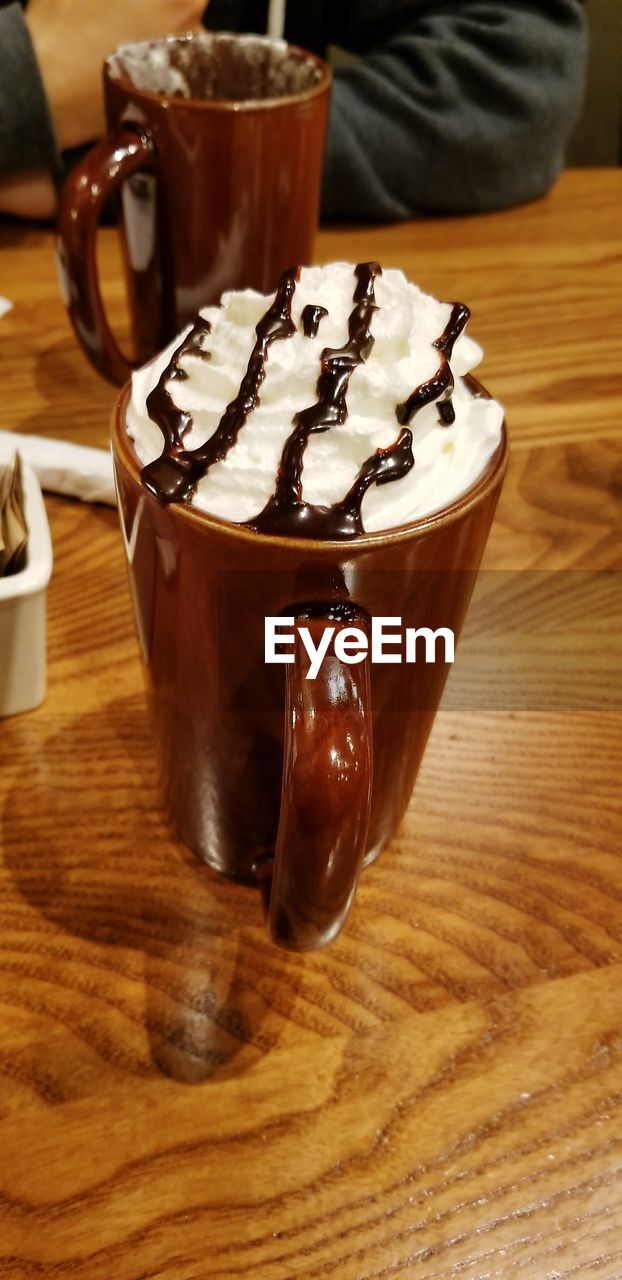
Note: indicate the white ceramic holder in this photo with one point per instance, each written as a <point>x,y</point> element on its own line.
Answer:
<point>22,612</point>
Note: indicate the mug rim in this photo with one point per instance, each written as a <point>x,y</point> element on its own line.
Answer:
<point>492,475</point>
<point>236,105</point>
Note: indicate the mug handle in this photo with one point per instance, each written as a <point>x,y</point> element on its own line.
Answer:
<point>82,198</point>
<point>309,884</point>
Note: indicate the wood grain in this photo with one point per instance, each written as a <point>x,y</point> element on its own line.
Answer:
<point>487,1143</point>
<point>436,1095</point>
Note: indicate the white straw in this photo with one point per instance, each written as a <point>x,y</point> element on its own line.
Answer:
<point>276,19</point>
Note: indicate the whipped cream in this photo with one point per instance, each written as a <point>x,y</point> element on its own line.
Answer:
<point>448,458</point>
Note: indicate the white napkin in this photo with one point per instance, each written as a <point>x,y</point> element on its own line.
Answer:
<point>5,305</point>
<point>71,469</point>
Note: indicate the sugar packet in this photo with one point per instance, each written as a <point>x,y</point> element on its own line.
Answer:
<point>13,525</point>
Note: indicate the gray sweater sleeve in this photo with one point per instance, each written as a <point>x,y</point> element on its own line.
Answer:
<point>458,106</point>
<point>26,133</point>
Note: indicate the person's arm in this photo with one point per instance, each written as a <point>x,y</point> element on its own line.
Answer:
<point>28,151</point>
<point>50,83</point>
<point>72,38</point>
<point>460,106</point>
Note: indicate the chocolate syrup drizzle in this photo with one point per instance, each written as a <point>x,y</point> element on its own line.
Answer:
<point>441,386</point>
<point>175,474</point>
<point>286,511</point>
<point>174,422</point>
<point>311,316</point>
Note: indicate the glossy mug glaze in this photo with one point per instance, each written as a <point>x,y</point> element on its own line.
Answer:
<point>268,776</point>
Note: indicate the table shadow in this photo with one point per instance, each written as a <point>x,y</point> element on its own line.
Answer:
<point>94,787</point>
<point>62,374</point>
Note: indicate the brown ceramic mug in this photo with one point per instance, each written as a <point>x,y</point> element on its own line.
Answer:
<point>292,782</point>
<point>217,190</point>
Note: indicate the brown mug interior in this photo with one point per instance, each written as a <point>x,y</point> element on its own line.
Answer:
<point>217,67</point>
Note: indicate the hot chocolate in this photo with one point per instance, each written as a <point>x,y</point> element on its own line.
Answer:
<point>353,466</point>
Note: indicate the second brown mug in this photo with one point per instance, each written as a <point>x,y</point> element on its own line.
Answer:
<point>216,149</point>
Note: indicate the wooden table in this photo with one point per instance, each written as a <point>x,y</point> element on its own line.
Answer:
<point>439,1093</point>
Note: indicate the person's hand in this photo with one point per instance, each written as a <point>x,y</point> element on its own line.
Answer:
<point>71,38</point>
